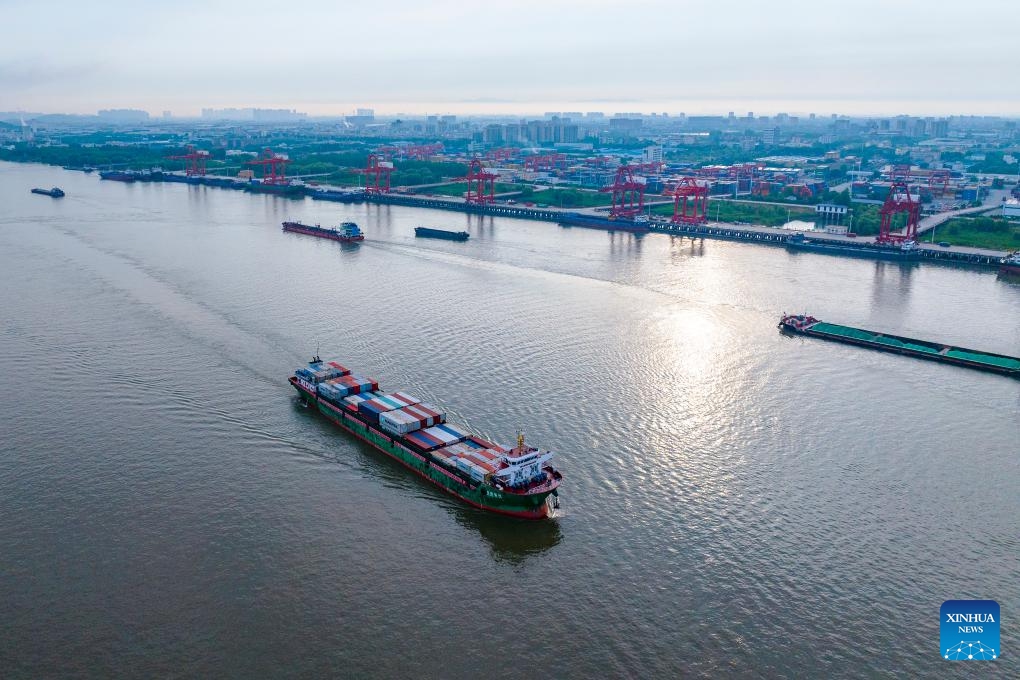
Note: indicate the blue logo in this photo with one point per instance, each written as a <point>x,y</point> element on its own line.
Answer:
<point>969,630</point>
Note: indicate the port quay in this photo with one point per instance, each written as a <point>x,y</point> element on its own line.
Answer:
<point>595,218</point>
<point>750,233</point>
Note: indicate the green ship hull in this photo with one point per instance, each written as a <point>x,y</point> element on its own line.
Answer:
<point>921,349</point>
<point>480,495</point>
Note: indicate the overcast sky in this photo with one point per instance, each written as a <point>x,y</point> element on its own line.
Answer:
<point>517,56</point>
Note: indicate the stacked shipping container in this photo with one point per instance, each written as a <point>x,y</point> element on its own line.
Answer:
<point>322,371</point>
<point>338,388</point>
<point>436,437</point>
<point>405,420</point>
<point>383,403</point>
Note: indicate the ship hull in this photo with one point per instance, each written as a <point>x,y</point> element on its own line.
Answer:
<point>328,234</point>
<point>524,506</point>
<point>891,254</point>
<point>600,223</point>
<point>424,232</point>
<point>920,349</point>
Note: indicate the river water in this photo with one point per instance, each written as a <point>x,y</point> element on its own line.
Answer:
<point>735,502</point>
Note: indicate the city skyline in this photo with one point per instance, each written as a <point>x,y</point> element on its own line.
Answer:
<point>524,58</point>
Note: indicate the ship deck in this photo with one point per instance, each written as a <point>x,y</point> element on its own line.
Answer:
<point>999,363</point>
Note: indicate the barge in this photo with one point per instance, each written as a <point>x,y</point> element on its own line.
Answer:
<point>638,224</point>
<point>803,324</point>
<point>349,232</point>
<point>904,252</point>
<point>518,481</point>
<point>428,232</point>
<point>55,192</point>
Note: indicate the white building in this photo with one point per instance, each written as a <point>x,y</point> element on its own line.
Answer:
<point>652,154</point>
<point>1011,209</point>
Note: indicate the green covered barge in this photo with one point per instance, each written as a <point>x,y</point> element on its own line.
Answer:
<point>922,349</point>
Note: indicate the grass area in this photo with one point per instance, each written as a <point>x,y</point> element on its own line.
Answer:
<point>460,188</point>
<point>980,232</point>
<point>567,198</point>
<point>729,211</point>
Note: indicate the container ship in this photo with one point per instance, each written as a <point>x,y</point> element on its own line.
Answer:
<point>428,232</point>
<point>348,232</point>
<point>55,192</point>
<point>518,481</point>
<point>922,349</point>
<point>905,252</point>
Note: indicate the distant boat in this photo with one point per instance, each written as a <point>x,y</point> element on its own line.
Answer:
<point>1010,264</point>
<point>119,175</point>
<point>349,232</point>
<point>428,232</point>
<point>55,192</point>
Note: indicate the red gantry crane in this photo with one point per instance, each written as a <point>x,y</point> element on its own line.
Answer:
<point>690,194</point>
<point>628,193</point>
<point>898,202</point>
<point>195,166</point>
<point>274,167</point>
<point>481,184</point>
<point>938,182</point>
<point>377,175</point>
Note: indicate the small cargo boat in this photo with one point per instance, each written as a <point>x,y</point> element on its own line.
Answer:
<point>428,232</point>
<point>55,192</point>
<point>803,324</point>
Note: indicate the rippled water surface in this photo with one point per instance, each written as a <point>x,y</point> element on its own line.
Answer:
<point>736,502</point>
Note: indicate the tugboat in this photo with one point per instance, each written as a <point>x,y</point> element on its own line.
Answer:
<point>349,232</point>
<point>55,192</point>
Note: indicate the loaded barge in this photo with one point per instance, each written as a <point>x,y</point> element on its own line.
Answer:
<point>428,232</point>
<point>349,232</point>
<point>922,349</point>
<point>519,481</point>
<point>904,252</point>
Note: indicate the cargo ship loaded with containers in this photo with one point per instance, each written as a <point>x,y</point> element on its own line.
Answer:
<point>518,481</point>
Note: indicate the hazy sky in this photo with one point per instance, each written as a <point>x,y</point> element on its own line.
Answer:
<point>517,56</point>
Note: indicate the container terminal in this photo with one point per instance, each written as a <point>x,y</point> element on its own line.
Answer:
<point>898,237</point>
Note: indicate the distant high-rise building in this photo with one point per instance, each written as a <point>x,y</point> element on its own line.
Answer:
<point>167,114</point>
<point>770,136</point>
<point>277,115</point>
<point>493,134</point>
<point>369,113</point>
<point>124,115</point>
<point>939,128</point>
<point>625,126</point>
